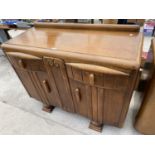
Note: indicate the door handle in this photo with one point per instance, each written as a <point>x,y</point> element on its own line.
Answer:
<point>21,63</point>
<point>77,94</point>
<point>91,79</point>
<point>46,86</point>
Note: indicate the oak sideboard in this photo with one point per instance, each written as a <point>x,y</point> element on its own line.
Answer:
<point>87,69</point>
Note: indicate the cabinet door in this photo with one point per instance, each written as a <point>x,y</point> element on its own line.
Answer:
<point>98,92</point>
<point>32,73</point>
<point>58,77</point>
<point>82,98</point>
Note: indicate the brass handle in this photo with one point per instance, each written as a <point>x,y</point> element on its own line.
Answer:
<point>91,79</point>
<point>77,94</point>
<point>21,63</point>
<point>46,86</point>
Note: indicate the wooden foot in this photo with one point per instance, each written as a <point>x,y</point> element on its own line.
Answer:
<point>95,126</point>
<point>48,108</point>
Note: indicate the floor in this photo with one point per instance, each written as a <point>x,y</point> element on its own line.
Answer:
<point>20,114</point>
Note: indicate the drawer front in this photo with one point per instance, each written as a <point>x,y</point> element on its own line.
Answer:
<point>26,62</point>
<point>98,79</point>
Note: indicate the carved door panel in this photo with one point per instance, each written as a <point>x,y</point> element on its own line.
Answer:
<point>47,91</point>
<point>98,92</point>
<point>58,77</point>
<point>82,98</point>
<point>81,93</point>
<point>32,74</point>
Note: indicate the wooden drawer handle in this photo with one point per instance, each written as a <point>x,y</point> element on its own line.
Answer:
<point>21,63</point>
<point>46,86</point>
<point>91,79</point>
<point>77,94</point>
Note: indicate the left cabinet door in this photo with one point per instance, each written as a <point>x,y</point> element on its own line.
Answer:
<point>32,73</point>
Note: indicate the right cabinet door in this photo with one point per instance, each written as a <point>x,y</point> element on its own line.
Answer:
<point>98,93</point>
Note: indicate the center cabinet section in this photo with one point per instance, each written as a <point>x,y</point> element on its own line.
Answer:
<point>57,74</point>
<point>99,93</point>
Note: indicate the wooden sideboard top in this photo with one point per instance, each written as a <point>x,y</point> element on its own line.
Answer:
<point>116,45</point>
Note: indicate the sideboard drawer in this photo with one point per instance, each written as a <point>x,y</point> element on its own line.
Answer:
<point>106,81</point>
<point>26,61</point>
<point>103,77</point>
